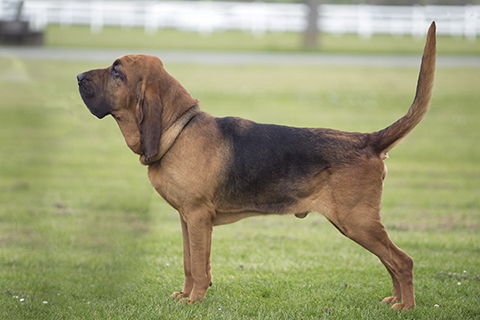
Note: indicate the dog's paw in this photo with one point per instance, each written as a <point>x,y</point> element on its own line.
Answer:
<point>179,295</point>
<point>402,306</point>
<point>184,301</point>
<point>390,300</point>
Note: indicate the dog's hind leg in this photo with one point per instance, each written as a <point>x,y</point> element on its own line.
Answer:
<point>397,292</point>
<point>354,208</point>
<point>371,234</point>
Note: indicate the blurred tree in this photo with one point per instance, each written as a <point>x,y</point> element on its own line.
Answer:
<point>311,36</point>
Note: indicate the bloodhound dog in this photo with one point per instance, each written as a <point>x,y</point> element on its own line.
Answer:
<point>217,171</point>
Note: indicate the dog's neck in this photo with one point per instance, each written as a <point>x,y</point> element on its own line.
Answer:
<point>171,133</point>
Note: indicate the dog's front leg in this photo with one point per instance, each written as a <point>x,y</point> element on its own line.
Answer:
<point>197,229</point>
<point>200,226</point>
<point>188,284</point>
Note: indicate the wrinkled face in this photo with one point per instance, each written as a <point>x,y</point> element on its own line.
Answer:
<point>120,90</point>
<point>140,95</point>
<point>106,91</point>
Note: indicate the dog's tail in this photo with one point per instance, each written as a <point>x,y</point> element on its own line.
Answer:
<point>384,140</point>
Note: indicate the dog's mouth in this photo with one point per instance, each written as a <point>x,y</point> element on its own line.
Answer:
<point>99,110</point>
<point>98,107</point>
<point>85,91</point>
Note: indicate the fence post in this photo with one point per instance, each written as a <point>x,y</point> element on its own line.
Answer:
<point>470,23</point>
<point>66,14</point>
<point>96,16</point>
<point>418,21</point>
<point>364,21</point>
<point>151,22</point>
<point>39,20</point>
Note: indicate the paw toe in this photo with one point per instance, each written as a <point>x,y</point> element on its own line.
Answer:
<point>178,295</point>
<point>402,306</point>
<point>390,300</point>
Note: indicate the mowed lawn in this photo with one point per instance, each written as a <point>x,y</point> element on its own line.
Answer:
<point>84,236</point>
<point>169,39</point>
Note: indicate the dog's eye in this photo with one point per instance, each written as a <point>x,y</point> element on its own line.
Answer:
<point>115,72</point>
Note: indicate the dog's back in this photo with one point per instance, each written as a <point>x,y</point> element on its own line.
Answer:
<point>267,165</point>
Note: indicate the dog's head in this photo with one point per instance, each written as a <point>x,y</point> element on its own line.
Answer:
<point>142,97</point>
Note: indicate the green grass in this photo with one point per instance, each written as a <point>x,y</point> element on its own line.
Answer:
<point>81,228</point>
<point>168,39</point>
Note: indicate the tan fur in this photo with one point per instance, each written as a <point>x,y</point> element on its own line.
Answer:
<point>192,160</point>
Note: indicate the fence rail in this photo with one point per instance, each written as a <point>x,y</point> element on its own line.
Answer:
<point>257,17</point>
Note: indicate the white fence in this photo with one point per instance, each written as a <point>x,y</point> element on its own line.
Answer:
<point>256,17</point>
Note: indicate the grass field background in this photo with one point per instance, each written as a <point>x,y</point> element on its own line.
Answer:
<point>84,236</point>
<point>169,39</point>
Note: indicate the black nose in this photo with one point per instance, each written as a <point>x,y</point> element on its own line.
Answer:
<point>80,77</point>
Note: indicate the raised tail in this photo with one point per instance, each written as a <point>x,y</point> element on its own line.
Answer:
<point>384,140</point>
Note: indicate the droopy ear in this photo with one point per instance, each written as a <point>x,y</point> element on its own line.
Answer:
<point>150,121</point>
